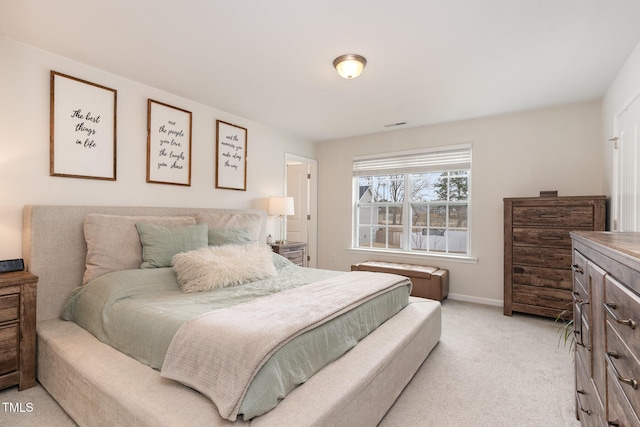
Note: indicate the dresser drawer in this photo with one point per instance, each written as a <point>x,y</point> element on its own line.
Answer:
<point>580,279</point>
<point>561,216</point>
<point>542,257</point>
<point>586,397</point>
<point>9,339</point>
<point>542,297</point>
<point>542,277</point>
<point>556,238</point>
<point>580,298</point>
<point>9,307</point>
<point>621,311</point>
<point>620,410</point>
<point>623,367</point>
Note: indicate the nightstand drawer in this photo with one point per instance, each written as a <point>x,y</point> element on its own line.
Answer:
<point>9,341</point>
<point>296,252</point>
<point>9,308</point>
<point>18,290</point>
<point>295,257</point>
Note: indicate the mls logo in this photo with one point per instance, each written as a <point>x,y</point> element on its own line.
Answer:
<point>17,407</point>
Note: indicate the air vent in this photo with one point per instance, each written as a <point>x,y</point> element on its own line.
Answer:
<point>395,124</point>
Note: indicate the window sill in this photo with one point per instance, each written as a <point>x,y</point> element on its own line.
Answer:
<point>417,256</point>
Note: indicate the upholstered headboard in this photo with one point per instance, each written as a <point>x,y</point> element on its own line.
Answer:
<point>54,247</point>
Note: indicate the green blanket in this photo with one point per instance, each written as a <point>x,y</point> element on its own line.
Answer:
<point>139,311</point>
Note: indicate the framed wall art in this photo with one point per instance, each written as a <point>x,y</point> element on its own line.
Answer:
<point>82,129</point>
<point>231,156</point>
<point>168,144</point>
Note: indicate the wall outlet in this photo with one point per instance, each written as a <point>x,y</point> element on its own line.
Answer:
<point>332,257</point>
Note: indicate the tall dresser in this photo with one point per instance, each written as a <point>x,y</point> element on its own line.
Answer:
<point>606,288</point>
<point>537,250</point>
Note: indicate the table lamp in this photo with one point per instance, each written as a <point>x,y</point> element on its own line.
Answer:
<point>281,206</point>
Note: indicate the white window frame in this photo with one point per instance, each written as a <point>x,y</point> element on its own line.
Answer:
<point>437,159</point>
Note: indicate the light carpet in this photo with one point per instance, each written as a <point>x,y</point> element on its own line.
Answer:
<point>491,370</point>
<point>487,370</point>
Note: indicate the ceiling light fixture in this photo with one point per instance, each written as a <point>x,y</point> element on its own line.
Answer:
<point>350,65</point>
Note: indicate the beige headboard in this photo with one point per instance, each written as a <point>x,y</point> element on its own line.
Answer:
<point>54,248</point>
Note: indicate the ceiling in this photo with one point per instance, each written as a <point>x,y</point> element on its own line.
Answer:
<point>429,61</point>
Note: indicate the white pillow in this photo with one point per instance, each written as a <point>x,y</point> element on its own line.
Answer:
<point>215,267</point>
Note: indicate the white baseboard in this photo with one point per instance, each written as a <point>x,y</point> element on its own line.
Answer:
<point>477,300</point>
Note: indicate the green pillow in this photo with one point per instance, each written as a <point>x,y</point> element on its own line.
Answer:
<point>160,244</point>
<point>229,236</point>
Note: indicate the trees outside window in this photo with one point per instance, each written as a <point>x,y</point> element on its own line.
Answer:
<point>426,212</point>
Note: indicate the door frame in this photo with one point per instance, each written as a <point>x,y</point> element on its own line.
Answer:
<point>618,170</point>
<point>289,158</point>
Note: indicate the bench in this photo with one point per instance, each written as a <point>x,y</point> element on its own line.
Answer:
<point>428,282</point>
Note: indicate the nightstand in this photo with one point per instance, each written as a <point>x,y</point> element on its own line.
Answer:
<point>18,329</point>
<point>296,252</point>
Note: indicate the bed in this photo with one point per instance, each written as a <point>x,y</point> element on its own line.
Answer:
<point>99,385</point>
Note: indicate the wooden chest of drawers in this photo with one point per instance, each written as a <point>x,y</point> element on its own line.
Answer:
<point>607,328</point>
<point>537,250</point>
<point>18,329</point>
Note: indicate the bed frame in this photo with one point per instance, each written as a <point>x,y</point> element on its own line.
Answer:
<point>99,386</point>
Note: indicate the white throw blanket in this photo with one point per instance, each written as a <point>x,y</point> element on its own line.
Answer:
<point>219,353</point>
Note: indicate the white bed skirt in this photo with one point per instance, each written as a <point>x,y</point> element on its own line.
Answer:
<point>99,386</point>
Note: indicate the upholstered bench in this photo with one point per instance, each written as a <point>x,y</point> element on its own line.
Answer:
<point>428,282</point>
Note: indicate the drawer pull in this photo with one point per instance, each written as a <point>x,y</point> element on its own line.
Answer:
<point>586,411</point>
<point>580,341</point>
<point>578,300</point>
<point>550,237</point>
<point>610,306</point>
<point>614,423</point>
<point>551,215</point>
<point>630,381</point>
<point>577,268</point>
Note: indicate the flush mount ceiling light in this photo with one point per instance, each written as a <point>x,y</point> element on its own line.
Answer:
<point>350,65</point>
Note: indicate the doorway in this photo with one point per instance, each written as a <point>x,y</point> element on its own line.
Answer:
<point>626,160</point>
<point>302,184</point>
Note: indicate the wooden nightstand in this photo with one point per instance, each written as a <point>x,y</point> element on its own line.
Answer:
<point>18,329</point>
<point>296,252</point>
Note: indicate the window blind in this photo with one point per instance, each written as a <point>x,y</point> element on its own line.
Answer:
<point>418,161</point>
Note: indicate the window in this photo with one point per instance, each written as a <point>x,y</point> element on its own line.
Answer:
<point>413,201</point>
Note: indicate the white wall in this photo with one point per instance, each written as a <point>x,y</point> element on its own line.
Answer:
<point>624,89</point>
<point>514,155</point>
<point>24,148</point>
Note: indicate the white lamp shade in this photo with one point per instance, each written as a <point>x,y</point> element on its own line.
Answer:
<point>281,206</point>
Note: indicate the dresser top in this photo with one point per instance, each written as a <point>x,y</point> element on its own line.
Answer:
<point>626,243</point>
<point>551,199</point>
